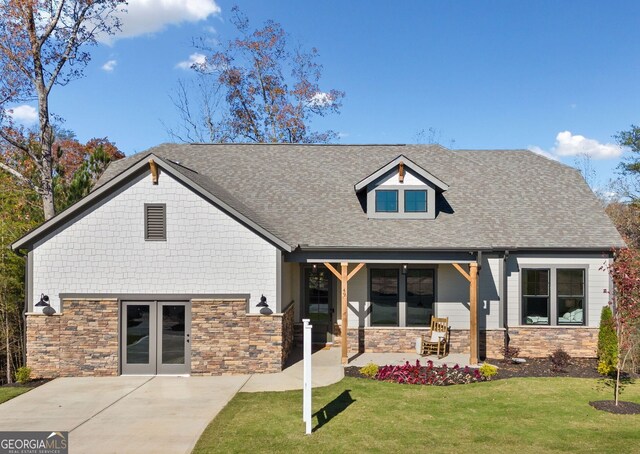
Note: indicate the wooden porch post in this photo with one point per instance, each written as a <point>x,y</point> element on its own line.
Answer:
<point>344,277</point>
<point>473,308</point>
<point>345,313</point>
<point>472,277</point>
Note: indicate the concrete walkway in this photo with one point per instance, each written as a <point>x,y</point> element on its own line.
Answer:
<point>327,370</point>
<point>123,414</point>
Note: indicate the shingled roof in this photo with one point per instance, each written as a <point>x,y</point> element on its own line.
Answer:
<point>304,195</point>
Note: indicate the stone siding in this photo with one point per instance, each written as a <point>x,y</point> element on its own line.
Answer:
<point>81,341</point>
<point>227,340</point>
<point>538,342</point>
<point>403,340</point>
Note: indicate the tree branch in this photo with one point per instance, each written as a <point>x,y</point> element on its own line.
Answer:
<point>52,25</point>
<point>70,45</point>
<point>18,175</point>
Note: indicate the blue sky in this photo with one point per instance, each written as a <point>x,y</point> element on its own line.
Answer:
<point>557,77</point>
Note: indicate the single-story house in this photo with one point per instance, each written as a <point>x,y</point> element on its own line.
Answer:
<point>204,258</point>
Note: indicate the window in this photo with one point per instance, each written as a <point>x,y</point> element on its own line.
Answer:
<point>384,297</point>
<point>570,294</point>
<point>420,296</point>
<point>535,297</point>
<point>415,201</point>
<point>553,296</point>
<point>155,222</point>
<point>387,201</point>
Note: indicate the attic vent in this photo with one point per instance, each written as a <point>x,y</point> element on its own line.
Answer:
<point>155,222</point>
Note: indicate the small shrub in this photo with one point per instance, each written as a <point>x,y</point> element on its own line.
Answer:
<point>607,343</point>
<point>488,371</point>
<point>559,360</point>
<point>509,353</point>
<point>370,370</point>
<point>429,374</point>
<point>23,374</point>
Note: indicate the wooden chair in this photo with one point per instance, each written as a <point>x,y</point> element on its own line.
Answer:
<point>438,339</point>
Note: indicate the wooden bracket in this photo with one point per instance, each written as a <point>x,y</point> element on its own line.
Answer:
<point>154,171</point>
<point>463,272</point>
<point>401,172</point>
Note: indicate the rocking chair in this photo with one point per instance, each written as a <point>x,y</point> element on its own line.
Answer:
<point>438,339</point>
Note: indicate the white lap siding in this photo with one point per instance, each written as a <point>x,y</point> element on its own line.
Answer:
<point>206,250</point>
<point>597,282</point>
<point>452,295</point>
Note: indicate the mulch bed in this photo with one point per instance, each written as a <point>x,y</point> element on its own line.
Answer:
<point>30,384</point>
<point>534,367</point>
<point>542,367</point>
<point>623,407</point>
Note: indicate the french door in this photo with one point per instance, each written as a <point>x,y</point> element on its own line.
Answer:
<point>156,337</point>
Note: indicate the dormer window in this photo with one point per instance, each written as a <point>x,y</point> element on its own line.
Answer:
<point>415,201</point>
<point>386,201</point>
<point>401,190</point>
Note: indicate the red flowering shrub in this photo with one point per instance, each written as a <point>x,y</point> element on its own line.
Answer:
<point>429,374</point>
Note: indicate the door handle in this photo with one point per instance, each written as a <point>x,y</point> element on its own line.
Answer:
<point>188,337</point>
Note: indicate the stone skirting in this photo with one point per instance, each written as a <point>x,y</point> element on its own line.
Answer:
<point>403,340</point>
<point>227,340</point>
<point>533,342</point>
<point>541,341</point>
<point>81,341</point>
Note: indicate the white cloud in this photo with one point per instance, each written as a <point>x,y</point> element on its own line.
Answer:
<point>321,99</point>
<point>110,66</point>
<point>150,16</point>
<point>568,144</point>
<point>194,59</point>
<point>24,114</point>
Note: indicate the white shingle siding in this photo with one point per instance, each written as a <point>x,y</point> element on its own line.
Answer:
<point>206,250</point>
<point>597,282</point>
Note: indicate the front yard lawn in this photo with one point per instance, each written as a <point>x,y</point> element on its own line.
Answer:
<point>9,392</point>
<point>526,415</point>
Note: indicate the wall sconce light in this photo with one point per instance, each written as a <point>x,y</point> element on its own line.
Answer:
<point>315,267</point>
<point>44,303</point>
<point>404,268</point>
<point>264,306</point>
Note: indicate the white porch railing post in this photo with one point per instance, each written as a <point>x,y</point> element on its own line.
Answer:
<point>306,388</point>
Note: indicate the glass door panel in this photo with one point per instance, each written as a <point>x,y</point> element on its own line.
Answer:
<point>138,332</point>
<point>174,338</point>
<point>319,303</point>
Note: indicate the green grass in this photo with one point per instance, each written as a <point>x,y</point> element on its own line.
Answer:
<point>7,393</point>
<point>528,415</point>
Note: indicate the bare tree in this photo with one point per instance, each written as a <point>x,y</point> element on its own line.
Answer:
<point>255,88</point>
<point>42,45</point>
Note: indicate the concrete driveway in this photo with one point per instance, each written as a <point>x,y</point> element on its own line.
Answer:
<point>123,414</point>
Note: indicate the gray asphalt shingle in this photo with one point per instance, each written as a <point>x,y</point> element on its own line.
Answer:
<point>304,194</point>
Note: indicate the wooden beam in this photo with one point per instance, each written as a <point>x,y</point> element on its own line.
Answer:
<point>343,328</point>
<point>473,310</point>
<point>354,271</point>
<point>463,272</point>
<point>333,270</point>
<point>154,171</point>
<point>401,172</point>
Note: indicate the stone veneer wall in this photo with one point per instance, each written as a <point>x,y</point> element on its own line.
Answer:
<point>227,340</point>
<point>403,340</point>
<point>81,341</point>
<point>539,341</point>
<point>534,342</point>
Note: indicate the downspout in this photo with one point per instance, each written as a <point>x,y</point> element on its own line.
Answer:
<point>504,301</point>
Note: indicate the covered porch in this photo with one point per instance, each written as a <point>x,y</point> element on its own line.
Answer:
<point>374,303</point>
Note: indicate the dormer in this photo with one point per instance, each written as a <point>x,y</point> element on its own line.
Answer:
<point>401,190</point>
